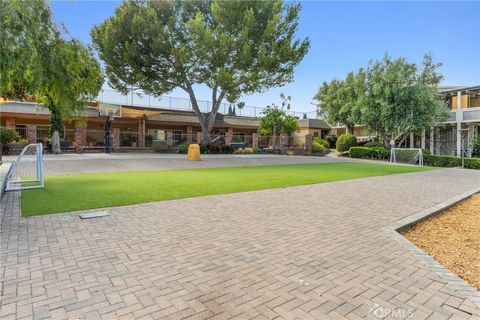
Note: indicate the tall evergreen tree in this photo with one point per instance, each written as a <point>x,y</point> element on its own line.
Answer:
<point>232,47</point>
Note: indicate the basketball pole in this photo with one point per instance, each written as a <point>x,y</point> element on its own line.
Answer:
<point>108,123</point>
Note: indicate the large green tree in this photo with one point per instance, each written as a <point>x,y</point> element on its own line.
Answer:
<point>234,47</point>
<point>392,98</point>
<point>38,62</point>
<point>26,31</point>
<point>339,100</point>
<point>401,98</point>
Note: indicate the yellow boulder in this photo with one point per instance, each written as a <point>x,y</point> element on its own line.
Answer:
<point>193,152</point>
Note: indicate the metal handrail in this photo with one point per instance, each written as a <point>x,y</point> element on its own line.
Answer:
<point>175,103</point>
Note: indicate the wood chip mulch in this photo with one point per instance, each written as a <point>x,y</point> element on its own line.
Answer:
<point>453,239</point>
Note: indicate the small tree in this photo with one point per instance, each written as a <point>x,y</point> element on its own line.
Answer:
<point>38,63</point>
<point>275,120</point>
<point>233,47</point>
<point>73,78</point>
<point>339,101</point>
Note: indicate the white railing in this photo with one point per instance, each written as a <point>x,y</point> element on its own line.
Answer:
<point>174,103</point>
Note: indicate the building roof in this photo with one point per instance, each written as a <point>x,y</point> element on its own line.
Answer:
<point>313,124</point>
<point>455,89</point>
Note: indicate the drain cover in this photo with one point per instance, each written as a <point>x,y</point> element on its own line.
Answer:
<point>95,214</point>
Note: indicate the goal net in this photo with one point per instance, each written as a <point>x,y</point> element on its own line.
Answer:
<point>27,170</point>
<point>409,156</point>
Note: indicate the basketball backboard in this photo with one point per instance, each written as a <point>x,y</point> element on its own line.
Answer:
<point>110,110</point>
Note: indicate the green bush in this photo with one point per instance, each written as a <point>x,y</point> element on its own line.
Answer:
<point>332,140</point>
<point>317,147</point>
<point>183,148</point>
<point>371,144</point>
<point>8,135</point>
<point>441,161</point>
<point>323,142</point>
<point>381,153</point>
<point>476,148</point>
<point>472,163</point>
<point>345,142</point>
<point>450,161</point>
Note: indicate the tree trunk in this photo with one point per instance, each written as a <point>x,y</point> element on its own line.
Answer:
<point>56,142</point>
<point>274,138</point>
<point>207,139</point>
<point>206,122</point>
<point>350,129</point>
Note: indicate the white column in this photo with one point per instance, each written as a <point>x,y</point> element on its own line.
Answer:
<point>422,142</point>
<point>432,140</point>
<point>470,139</point>
<point>412,145</point>
<point>458,118</point>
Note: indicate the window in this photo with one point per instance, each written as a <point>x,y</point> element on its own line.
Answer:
<point>157,134</point>
<point>178,137</point>
<point>238,137</point>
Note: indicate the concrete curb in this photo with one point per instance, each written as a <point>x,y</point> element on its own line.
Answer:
<point>4,168</point>
<point>459,285</point>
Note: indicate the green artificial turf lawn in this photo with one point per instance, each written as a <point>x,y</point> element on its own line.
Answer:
<point>97,190</point>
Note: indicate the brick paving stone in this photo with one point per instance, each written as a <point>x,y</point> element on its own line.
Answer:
<point>317,251</point>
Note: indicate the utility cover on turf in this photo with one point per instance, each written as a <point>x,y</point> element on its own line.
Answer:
<point>95,214</point>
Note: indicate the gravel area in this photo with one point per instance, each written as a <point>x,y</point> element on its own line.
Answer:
<point>453,239</point>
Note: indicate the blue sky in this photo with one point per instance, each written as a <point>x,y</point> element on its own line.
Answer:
<point>345,36</point>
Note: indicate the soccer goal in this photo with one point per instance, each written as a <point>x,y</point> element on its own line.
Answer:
<point>27,170</point>
<point>412,156</point>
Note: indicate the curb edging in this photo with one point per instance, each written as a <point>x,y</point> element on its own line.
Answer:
<point>394,229</point>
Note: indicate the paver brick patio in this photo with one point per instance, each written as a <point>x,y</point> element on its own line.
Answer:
<point>308,252</point>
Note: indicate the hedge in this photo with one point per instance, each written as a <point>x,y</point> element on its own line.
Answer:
<point>381,153</point>
<point>345,142</point>
<point>450,161</point>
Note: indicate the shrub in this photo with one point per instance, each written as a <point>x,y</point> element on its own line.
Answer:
<point>292,150</point>
<point>23,141</point>
<point>373,144</point>
<point>441,161</point>
<point>450,161</point>
<point>317,147</point>
<point>246,151</point>
<point>323,142</point>
<point>332,140</point>
<point>359,152</point>
<point>8,135</point>
<point>215,147</point>
<point>380,153</point>
<point>345,142</point>
<point>476,148</point>
<point>183,148</point>
<point>472,163</point>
